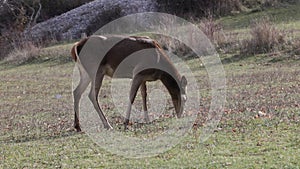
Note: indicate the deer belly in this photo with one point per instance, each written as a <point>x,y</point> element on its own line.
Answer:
<point>119,73</point>
<point>109,71</point>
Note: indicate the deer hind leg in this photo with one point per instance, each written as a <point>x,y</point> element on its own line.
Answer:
<point>77,93</point>
<point>144,99</point>
<point>136,82</point>
<point>95,88</point>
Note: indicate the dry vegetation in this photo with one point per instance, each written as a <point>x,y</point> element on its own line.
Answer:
<point>296,47</point>
<point>265,38</point>
<point>212,29</point>
<point>30,53</point>
<point>23,54</point>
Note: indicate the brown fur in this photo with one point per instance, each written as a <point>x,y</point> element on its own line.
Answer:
<point>174,83</point>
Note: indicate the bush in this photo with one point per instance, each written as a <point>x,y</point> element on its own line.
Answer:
<point>213,30</point>
<point>265,38</point>
<point>296,47</point>
<point>208,25</point>
<point>24,53</point>
<point>9,40</point>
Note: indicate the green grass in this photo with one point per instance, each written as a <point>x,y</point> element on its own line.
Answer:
<point>287,16</point>
<point>36,114</point>
<point>262,147</point>
<point>36,127</point>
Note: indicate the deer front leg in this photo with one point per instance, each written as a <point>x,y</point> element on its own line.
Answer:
<point>77,93</point>
<point>136,82</point>
<point>144,99</point>
<point>96,85</point>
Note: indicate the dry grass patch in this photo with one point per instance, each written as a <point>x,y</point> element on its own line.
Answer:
<point>23,54</point>
<point>30,52</point>
<point>296,47</point>
<point>212,29</point>
<point>265,38</point>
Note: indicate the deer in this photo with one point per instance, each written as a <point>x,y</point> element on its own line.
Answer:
<point>143,67</point>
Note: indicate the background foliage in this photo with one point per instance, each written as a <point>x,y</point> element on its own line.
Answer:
<point>19,15</point>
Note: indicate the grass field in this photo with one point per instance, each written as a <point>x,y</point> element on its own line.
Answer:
<point>259,129</point>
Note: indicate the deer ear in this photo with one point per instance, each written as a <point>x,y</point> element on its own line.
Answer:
<point>183,81</point>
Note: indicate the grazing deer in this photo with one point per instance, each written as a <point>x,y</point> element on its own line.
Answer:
<point>154,65</point>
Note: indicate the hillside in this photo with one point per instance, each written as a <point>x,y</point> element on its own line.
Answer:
<point>86,19</point>
<point>259,128</point>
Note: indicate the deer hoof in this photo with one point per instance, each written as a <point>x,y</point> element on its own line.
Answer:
<point>77,127</point>
<point>147,120</point>
<point>126,124</point>
<point>108,127</point>
<point>125,127</point>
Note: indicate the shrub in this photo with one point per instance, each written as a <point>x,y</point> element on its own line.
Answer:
<point>213,30</point>
<point>265,38</point>
<point>9,40</point>
<point>209,26</point>
<point>296,47</point>
<point>23,53</point>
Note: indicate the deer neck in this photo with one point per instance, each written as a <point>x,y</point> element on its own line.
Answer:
<point>171,84</point>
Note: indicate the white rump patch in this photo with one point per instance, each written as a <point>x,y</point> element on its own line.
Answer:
<point>99,36</point>
<point>131,38</point>
<point>147,40</point>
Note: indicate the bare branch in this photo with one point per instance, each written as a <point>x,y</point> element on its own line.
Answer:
<point>32,15</point>
<point>37,13</point>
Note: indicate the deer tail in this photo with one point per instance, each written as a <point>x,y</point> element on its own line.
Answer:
<point>74,52</point>
<point>77,48</point>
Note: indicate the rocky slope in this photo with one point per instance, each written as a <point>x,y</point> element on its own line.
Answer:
<point>86,19</point>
